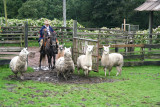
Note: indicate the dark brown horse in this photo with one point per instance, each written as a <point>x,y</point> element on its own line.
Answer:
<point>49,48</point>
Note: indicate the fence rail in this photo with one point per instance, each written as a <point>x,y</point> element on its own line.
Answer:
<point>136,48</point>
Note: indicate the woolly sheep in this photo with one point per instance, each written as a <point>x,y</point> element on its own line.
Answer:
<point>19,63</point>
<point>110,60</point>
<point>65,65</point>
<point>60,52</point>
<point>85,61</point>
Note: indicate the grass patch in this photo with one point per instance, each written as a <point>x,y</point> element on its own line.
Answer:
<point>139,87</point>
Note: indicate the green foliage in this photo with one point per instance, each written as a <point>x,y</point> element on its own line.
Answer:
<point>32,9</point>
<point>38,22</point>
<point>90,13</point>
<point>137,86</point>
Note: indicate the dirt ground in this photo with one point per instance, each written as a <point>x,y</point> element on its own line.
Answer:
<point>46,75</point>
<point>51,76</point>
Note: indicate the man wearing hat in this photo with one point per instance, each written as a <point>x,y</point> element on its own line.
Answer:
<point>45,27</point>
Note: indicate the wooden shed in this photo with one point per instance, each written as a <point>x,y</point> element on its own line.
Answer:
<point>150,6</point>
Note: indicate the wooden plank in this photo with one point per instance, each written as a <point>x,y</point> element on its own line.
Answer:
<point>101,34</point>
<point>4,62</point>
<point>4,34</point>
<point>11,49</point>
<point>141,63</point>
<point>152,56</point>
<point>122,46</point>
<point>152,46</point>
<point>10,42</point>
<point>85,39</point>
<point>133,56</point>
<point>101,29</point>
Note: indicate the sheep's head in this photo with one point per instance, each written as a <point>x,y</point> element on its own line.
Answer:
<point>67,52</point>
<point>24,52</point>
<point>106,49</point>
<point>89,48</point>
<point>61,48</point>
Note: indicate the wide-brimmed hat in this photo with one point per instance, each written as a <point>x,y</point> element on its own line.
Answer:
<point>46,22</point>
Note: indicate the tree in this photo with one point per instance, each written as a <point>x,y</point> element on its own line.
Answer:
<point>12,7</point>
<point>32,9</point>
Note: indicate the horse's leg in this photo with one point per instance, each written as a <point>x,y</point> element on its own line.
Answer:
<point>54,58</point>
<point>48,60</point>
<point>40,60</point>
<point>51,61</point>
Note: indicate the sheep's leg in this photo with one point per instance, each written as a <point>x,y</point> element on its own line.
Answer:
<point>90,68</point>
<point>64,76</point>
<point>105,69</point>
<point>16,74</point>
<point>78,70</point>
<point>110,70</point>
<point>85,70</point>
<point>119,69</point>
<point>22,76</point>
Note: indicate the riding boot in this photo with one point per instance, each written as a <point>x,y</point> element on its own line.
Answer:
<point>40,44</point>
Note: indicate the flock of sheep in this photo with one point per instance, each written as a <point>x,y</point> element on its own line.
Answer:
<point>65,65</point>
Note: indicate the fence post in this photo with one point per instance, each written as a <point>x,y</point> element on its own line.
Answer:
<point>74,40</point>
<point>75,28</point>
<point>26,34</point>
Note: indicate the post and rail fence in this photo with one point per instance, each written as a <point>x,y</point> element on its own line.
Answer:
<point>135,47</point>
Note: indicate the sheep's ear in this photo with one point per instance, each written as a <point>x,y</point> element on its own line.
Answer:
<point>103,46</point>
<point>26,48</point>
<point>109,46</point>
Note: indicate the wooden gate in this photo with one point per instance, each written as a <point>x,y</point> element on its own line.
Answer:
<point>12,40</point>
<point>79,48</point>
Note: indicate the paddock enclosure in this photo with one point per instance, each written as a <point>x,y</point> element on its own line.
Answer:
<point>137,49</point>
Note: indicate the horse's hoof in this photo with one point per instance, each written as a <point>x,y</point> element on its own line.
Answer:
<point>53,67</point>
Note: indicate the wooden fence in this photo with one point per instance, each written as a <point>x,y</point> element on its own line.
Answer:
<point>137,49</point>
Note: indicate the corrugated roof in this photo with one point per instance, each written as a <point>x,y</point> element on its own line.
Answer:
<point>149,5</point>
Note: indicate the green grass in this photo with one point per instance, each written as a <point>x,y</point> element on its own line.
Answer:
<point>138,87</point>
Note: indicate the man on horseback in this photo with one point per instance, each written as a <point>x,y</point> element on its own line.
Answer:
<point>47,28</point>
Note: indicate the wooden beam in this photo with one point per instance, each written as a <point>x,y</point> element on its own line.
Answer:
<point>125,45</point>
<point>150,25</point>
<point>5,62</point>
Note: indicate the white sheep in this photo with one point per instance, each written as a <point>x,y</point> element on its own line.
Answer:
<point>85,61</point>
<point>65,65</point>
<point>19,63</point>
<point>110,60</point>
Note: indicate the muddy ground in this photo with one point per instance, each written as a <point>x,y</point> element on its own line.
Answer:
<point>51,76</point>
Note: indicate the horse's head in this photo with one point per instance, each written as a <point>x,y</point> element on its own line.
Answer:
<point>54,45</point>
<point>54,34</point>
